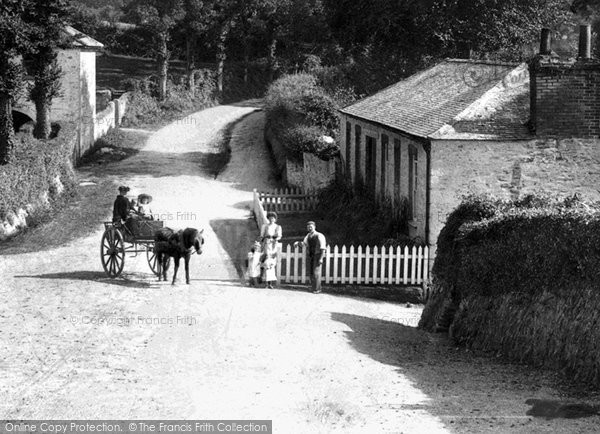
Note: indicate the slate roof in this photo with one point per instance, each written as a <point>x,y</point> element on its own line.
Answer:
<point>74,38</point>
<point>456,99</point>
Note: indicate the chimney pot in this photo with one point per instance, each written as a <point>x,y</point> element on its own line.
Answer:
<point>585,42</point>
<point>545,42</point>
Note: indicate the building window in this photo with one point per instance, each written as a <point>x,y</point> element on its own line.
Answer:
<point>384,150</point>
<point>413,165</point>
<point>357,135</point>
<point>348,148</point>
<point>397,161</point>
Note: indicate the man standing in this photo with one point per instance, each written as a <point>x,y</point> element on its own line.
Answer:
<point>316,246</point>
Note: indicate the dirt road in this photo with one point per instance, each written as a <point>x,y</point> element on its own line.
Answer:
<point>77,344</point>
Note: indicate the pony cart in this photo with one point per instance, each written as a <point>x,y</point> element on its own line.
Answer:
<point>134,237</point>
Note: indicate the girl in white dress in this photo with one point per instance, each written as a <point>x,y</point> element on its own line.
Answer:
<point>254,263</point>
<point>269,263</point>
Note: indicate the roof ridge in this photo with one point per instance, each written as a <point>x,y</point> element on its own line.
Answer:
<point>482,61</point>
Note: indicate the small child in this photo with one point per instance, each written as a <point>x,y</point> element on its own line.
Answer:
<point>253,263</point>
<point>269,263</point>
<point>143,207</point>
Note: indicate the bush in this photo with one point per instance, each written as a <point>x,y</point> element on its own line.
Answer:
<point>145,109</point>
<point>35,168</point>
<point>519,276</point>
<point>141,109</point>
<point>303,138</point>
<point>285,94</point>
<point>300,113</point>
<point>360,219</point>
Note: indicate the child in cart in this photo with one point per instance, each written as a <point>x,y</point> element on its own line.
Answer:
<point>143,207</point>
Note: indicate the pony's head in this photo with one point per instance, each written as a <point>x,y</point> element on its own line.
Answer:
<point>193,238</point>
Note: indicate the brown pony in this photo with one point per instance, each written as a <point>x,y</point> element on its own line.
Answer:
<point>177,245</point>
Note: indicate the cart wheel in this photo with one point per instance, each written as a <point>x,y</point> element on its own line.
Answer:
<point>153,260</point>
<point>112,252</point>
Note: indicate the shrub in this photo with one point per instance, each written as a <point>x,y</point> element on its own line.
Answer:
<point>360,219</point>
<point>519,275</point>
<point>141,109</point>
<point>300,113</point>
<point>144,108</point>
<point>304,138</point>
<point>34,170</point>
<point>285,94</point>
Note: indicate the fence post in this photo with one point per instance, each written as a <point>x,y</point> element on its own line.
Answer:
<point>405,267</point>
<point>367,265</point>
<point>413,265</point>
<point>335,264</point>
<point>303,264</point>
<point>344,256</point>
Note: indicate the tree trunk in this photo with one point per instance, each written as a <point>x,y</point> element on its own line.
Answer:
<point>7,133</point>
<point>190,64</point>
<point>272,59</point>
<point>221,56</point>
<point>246,63</point>
<point>163,64</point>
<point>42,127</point>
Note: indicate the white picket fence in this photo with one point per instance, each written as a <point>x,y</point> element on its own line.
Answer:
<point>376,266</point>
<point>345,265</point>
<point>259,211</point>
<point>288,200</point>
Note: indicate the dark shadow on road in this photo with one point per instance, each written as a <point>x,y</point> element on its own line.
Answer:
<point>258,103</point>
<point>90,276</point>
<point>550,409</point>
<point>236,236</point>
<point>398,295</point>
<point>455,379</point>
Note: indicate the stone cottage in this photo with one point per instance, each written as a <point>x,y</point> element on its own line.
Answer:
<point>77,102</point>
<point>466,126</point>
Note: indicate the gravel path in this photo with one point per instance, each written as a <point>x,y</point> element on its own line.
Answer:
<point>77,344</point>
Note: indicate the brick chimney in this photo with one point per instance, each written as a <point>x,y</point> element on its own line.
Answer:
<point>565,94</point>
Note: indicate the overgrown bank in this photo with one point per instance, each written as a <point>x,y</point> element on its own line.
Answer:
<point>37,178</point>
<point>520,279</point>
<point>145,108</point>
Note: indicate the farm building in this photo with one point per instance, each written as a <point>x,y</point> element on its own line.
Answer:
<point>466,126</point>
<point>77,102</point>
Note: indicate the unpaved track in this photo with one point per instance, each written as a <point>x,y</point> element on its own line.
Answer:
<point>76,344</point>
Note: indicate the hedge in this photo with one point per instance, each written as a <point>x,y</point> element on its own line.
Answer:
<point>34,170</point>
<point>520,278</point>
<point>300,113</point>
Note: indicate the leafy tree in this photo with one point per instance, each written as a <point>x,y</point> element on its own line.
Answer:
<point>46,20</point>
<point>160,17</point>
<point>195,24</point>
<point>501,27</point>
<point>13,40</point>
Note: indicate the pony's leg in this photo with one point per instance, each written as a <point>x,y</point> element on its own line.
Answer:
<point>159,261</point>
<point>163,266</point>
<point>166,264</point>
<point>187,268</point>
<point>176,259</point>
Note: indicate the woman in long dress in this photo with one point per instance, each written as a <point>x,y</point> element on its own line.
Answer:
<point>271,231</point>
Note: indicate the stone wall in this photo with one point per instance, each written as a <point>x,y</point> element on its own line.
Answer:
<point>105,120</point>
<point>16,219</point>
<point>120,107</point>
<point>66,105</point>
<point>309,173</point>
<point>317,174</point>
<point>510,169</point>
